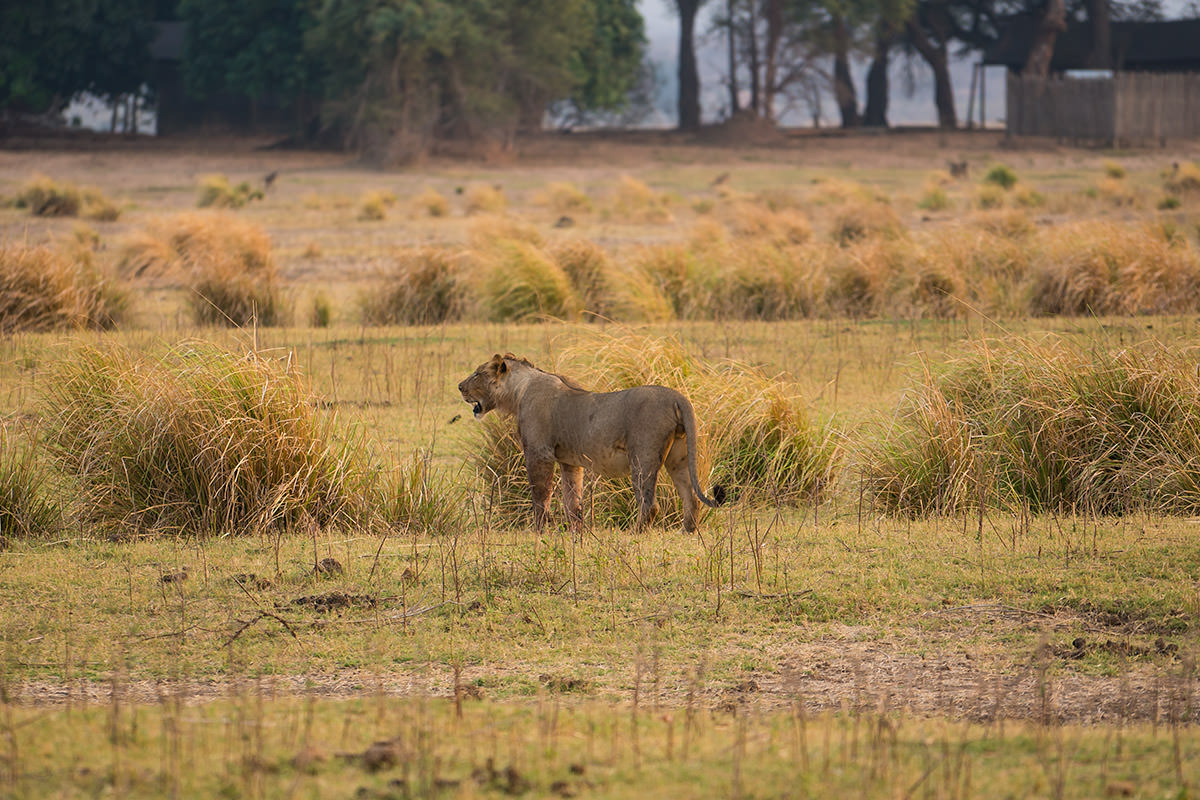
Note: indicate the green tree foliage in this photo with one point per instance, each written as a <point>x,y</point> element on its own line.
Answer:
<point>249,47</point>
<point>53,49</point>
<point>399,72</point>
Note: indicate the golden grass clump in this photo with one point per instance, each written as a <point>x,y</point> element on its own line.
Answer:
<point>1113,169</point>
<point>889,278</point>
<point>46,197</point>
<point>1095,267</point>
<point>1011,223</point>
<point>608,290</point>
<point>484,231</point>
<point>27,507</point>
<point>522,283</point>
<point>1117,192</point>
<point>679,276</point>
<point>565,197</point>
<point>785,226</point>
<point>1028,197</point>
<point>855,221</point>
<point>425,286</point>
<point>989,196</point>
<point>43,289</point>
<point>373,205</point>
<point>1050,426</point>
<point>484,198</point>
<point>992,267</point>
<point>199,441</point>
<point>432,203</point>
<point>634,201</point>
<point>934,198</point>
<point>762,281</point>
<point>1183,177</point>
<point>225,263</point>
<point>755,432</point>
<point>216,191</point>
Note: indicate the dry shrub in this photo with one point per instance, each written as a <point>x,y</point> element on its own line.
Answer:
<point>199,441</point>
<point>754,430</point>
<point>320,311</point>
<point>99,208</point>
<point>43,289</point>
<point>225,263</point>
<point>837,192</point>
<point>217,192</point>
<point>634,201</point>
<point>858,221</point>
<point>484,198</point>
<point>522,283</point>
<point>1050,425</point>
<point>431,202</point>
<point>413,497</point>
<point>778,200</point>
<point>425,286</point>
<point>1099,268</point>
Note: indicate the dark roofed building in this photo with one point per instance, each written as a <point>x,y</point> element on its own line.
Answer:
<point>1135,46</point>
<point>1151,94</point>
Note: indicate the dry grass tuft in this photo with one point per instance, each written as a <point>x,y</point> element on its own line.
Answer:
<point>425,286</point>
<point>217,192</point>
<point>484,198</point>
<point>857,221</point>
<point>45,197</point>
<point>564,197</point>
<point>199,441</point>
<point>520,282</point>
<point>1098,268</point>
<point>43,289</point>
<point>607,290</point>
<point>373,205</point>
<point>1050,426</point>
<point>225,263</point>
<point>785,226</point>
<point>432,203</point>
<point>634,201</point>
<point>1183,177</point>
<point>483,232</point>
<point>27,510</point>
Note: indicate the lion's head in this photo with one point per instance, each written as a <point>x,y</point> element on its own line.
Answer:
<point>485,389</point>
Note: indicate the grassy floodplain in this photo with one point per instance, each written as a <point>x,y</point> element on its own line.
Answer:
<point>807,643</point>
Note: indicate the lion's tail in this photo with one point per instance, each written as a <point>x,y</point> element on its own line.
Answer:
<point>688,417</point>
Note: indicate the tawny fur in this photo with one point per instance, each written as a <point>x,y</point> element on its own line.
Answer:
<point>634,432</point>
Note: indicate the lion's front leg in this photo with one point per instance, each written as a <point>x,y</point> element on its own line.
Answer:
<point>572,489</point>
<point>541,482</point>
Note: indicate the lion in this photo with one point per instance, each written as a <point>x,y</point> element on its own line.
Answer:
<point>634,432</point>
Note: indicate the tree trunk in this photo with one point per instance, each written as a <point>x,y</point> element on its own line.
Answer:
<point>843,81</point>
<point>689,78</point>
<point>875,114</point>
<point>755,62</point>
<point>938,60</point>
<point>774,33</point>
<point>1100,56</point>
<point>1042,51</point>
<point>735,104</point>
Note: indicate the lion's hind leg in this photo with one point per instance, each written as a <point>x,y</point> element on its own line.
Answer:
<point>677,467</point>
<point>645,477</point>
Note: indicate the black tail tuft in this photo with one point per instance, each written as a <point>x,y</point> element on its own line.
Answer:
<point>718,493</point>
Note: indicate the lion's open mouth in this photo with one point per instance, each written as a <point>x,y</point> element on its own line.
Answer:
<point>478,408</point>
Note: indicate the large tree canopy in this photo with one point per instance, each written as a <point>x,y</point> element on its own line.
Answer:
<point>53,49</point>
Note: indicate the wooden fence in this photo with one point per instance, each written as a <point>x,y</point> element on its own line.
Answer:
<point>1128,108</point>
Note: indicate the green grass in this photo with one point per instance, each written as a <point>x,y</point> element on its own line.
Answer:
<point>257,745</point>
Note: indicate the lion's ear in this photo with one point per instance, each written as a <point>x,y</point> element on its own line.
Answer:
<point>502,367</point>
